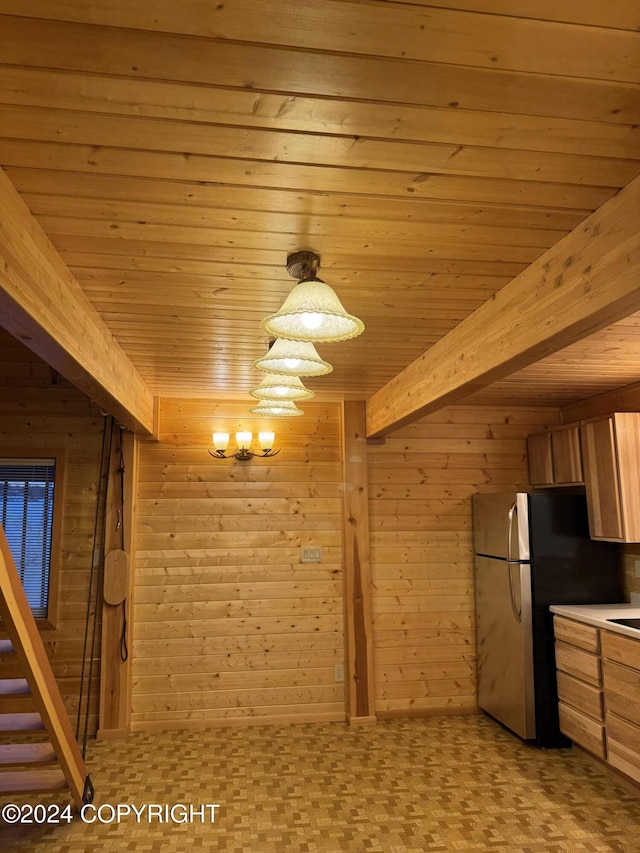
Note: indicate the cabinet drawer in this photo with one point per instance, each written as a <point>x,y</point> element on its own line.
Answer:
<point>581,696</point>
<point>623,741</point>
<point>576,634</point>
<point>576,662</point>
<point>624,650</point>
<point>582,729</point>
<point>622,689</point>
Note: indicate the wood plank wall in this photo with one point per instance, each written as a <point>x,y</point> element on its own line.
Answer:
<point>420,486</point>
<point>37,414</point>
<point>229,625</point>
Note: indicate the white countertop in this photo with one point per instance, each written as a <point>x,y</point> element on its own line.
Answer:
<point>597,615</point>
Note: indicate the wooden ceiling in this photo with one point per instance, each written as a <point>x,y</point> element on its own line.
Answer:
<point>175,153</point>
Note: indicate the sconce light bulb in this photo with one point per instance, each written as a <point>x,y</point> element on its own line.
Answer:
<point>267,440</point>
<point>221,440</point>
<point>243,440</point>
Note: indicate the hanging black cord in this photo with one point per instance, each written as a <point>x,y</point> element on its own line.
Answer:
<point>98,595</point>
<point>124,651</point>
<point>96,562</point>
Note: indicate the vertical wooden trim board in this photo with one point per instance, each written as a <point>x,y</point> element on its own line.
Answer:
<point>359,674</point>
<point>115,682</point>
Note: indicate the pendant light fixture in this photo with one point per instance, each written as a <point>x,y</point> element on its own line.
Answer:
<point>312,311</point>
<point>293,358</point>
<point>273,409</point>
<point>277,386</point>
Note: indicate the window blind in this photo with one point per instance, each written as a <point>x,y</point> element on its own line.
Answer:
<point>26,513</point>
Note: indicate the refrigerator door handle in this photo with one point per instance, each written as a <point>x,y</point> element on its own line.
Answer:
<point>513,513</point>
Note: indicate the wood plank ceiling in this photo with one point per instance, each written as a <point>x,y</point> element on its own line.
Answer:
<point>175,153</point>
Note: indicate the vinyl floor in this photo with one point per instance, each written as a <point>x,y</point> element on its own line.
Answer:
<point>438,784</point>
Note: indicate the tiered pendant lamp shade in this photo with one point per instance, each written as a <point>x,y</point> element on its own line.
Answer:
<point>293,358</point>
<point>280,409</point>
<point>277,387</point>
<point>312,311</point>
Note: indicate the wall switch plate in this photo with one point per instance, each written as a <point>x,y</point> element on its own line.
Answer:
<point>635,599</point>
<point>339,672</point>
<point>311,555</point>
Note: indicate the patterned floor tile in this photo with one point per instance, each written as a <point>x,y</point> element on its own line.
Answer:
<point>440,784</point>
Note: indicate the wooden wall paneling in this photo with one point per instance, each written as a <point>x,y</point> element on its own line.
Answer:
<point>359,673</point>
<point>230,627</point>
<point>422,551</point>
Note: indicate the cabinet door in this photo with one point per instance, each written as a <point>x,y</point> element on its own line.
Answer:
<point>565,453</point>
<point>540,460</point>
<point>601,480</point>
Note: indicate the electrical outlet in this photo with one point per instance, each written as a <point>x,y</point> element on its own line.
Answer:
<point>638,568</point>
<point>339,672</point>
<point>311,555</point>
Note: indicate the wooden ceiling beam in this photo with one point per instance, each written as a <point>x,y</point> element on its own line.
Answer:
<point>587,281</point>
<point>43,306</point>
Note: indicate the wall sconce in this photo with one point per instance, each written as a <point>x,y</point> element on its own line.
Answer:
<point>243,442</point>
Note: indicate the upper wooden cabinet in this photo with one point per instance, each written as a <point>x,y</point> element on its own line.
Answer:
<point>611,460</point>
<point>554,457</point>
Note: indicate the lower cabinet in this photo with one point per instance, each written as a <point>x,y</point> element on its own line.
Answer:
<point>579,677</point>
<point>598,674</point>
<point>621,669</point>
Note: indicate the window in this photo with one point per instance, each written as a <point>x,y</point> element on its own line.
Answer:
<point>27,491</point>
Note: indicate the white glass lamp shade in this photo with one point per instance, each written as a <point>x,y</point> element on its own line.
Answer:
<point>266,439</point>
<point>293,358</point>
<point>221,440</point>
<point>313,312</point>
<point>273,409</point>
<point>277,386</point>
<point>243,440</point>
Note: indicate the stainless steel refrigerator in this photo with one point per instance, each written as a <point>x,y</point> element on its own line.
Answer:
<point>531,551</point>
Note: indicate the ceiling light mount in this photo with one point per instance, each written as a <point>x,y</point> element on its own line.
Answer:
<point>303,266</point>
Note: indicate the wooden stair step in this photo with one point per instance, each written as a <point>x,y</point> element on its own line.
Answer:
<point>15,696</point>
<point>31,781</point>
<point>21,724</point>
<point>27,753</point>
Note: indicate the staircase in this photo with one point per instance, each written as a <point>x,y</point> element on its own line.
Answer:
<point>38,750</point>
